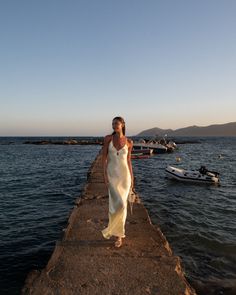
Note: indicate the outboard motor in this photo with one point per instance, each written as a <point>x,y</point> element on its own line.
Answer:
<point>203,170</point>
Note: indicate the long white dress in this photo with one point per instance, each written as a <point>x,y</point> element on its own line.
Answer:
<point>119,179</point>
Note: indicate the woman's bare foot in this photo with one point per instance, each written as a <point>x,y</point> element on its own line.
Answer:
<point>118,242</point>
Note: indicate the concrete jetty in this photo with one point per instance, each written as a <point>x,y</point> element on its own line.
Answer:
<point>83,262</point>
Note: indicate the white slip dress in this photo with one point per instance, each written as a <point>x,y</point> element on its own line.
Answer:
<point>119,184</point>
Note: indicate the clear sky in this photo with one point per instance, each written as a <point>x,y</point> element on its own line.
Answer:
<point>69,67</point>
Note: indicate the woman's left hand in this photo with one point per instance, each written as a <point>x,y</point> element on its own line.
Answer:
<point>132,184</point>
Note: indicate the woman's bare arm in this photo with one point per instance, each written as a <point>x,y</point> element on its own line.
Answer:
<point>129,161</point>
<point>104,157</point>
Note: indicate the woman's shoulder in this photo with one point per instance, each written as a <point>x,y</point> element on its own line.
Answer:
<point>107,137</point>
<point>130,141</point>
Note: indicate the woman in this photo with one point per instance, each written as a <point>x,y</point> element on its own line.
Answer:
<point>118,177</point>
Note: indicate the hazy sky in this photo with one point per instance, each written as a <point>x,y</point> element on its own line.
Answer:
<point>68,67</point>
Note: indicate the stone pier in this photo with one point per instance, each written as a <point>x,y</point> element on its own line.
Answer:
<point>83,262</point>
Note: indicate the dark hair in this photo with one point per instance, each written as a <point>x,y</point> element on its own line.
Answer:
<point>122,121</point>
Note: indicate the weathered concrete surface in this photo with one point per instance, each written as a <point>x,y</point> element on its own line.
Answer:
<point>83,262</point>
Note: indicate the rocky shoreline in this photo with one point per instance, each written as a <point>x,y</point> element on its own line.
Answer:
<point>69,141</point>
<point>73,141</point>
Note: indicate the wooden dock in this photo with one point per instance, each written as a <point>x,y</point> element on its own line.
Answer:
<point>83,262</point>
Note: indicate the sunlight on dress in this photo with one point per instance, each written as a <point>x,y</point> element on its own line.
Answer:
<point>119,179</point>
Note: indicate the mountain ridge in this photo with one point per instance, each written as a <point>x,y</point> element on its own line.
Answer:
<point>226,129</point>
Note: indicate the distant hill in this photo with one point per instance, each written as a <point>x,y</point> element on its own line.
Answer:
<point>228,129</point>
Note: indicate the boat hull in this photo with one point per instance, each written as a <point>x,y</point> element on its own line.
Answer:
<point>157,148</point>
<point>190,176</point>
<point>141,151</point>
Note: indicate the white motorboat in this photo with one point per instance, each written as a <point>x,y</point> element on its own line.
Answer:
<point>156,147</point>
<point>198,176</point>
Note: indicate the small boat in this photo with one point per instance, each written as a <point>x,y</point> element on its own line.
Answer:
<point>202,175</point>
<point>159,146</point>
<point>156,147</point>
<point>169,144</point>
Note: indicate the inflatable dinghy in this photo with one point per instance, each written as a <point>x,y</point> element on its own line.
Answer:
<point>198,176</point>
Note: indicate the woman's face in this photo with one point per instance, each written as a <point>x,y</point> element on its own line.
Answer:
<point>117,125</point>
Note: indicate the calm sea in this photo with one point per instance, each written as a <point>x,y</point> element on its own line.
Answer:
<point>39,183</point>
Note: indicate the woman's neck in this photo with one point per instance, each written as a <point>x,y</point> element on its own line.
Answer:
<point>119,134</point>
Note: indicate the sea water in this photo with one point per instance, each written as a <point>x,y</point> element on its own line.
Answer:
<point>39,183</point>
